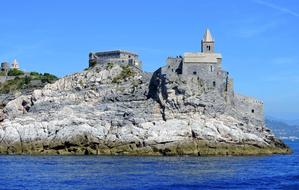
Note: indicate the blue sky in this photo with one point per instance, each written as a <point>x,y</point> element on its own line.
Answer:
<point>258,39</point>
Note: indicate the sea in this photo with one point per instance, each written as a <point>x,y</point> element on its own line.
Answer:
<point>130,172</point>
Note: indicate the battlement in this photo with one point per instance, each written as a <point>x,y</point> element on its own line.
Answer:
<point>250,106</point>
<point>248,99</point>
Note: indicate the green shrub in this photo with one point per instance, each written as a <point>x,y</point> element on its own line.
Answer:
<point>2,73</point>
<point>109,66</point>
<point>27,80</point>
<point>126,72</point>
<point>13,85</point>
<point>34,73</point>
<point>15,72</point>
<point>49,78</point>
<point>20,82</point>
<point>92,63</point>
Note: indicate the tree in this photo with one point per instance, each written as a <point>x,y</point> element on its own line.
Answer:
<point>15,72</point>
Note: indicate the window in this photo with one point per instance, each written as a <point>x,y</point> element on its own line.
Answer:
<point>252,111</point>
<point>211,68</point>
<point>209,48</point>
<point>214,84</point>
<point>194,72</point>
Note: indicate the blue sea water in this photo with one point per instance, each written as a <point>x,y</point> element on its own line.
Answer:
<point>122,172</point>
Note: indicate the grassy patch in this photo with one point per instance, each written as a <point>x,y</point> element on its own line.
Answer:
<point>13,85</point>
<point>46,77</point>
<point>126,72</point>
<point>15,72</point>
<point>24,82</point>
<point>2,73</point>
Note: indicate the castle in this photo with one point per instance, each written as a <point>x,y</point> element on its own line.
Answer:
<point>5,66</point>
<point>204,65</point>
<point>117,56</point>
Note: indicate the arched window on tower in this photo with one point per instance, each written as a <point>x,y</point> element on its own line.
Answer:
<point>209,48</point>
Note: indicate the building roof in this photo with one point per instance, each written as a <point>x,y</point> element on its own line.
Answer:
<point>208,36</point>
<point>198,57</point>
<point>101,53</point>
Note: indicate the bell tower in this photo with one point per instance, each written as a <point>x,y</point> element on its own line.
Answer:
<point>207,43</point>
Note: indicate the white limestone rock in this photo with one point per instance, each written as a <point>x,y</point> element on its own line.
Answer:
<point>88,111</point>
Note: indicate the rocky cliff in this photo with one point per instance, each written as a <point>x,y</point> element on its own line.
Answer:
<point>117,109</point>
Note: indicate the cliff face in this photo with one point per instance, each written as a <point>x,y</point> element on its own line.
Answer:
<point>114,109</point>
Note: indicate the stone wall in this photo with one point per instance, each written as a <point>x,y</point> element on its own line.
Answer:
<point>115,57</point>
<point>211,73</point>
<point>249,106</point>
<point>173,67</point>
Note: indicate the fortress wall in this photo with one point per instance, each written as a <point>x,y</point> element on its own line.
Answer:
<point>112,60</point>
<point>121,58</point>
<point>128,56</point>
<point>209,72</point>
<point>120,61</point>
<point>251,107</point>
<point>173,67</point>
<point>202,70</point>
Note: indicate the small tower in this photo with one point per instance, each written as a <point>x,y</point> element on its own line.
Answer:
<point>4,66</point>
<point>207,43</point>
<point>15,64</point>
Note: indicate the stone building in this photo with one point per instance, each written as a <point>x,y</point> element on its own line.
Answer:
<point>5,66</point>
<point>15,64</point>
<point>117,56</point>
<point>205,66</point>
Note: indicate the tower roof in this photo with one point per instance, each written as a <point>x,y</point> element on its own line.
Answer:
<point>207,36</point>
<point>14,62</point>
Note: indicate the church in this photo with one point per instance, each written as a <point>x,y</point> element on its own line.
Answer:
<point>203,65</point>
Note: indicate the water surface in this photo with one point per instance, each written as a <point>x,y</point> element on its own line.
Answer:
<point>122,172</point>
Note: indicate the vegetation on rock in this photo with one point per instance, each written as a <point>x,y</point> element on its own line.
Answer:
<point>15,72</point>
<point>92,63</point>
<point>15,84</point>
<point>19,82</point>
<point>109,66</point>
<point>126,72</point>
<point>46,77</point>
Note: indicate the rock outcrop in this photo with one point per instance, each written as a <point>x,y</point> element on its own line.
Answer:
<point>117,109</point>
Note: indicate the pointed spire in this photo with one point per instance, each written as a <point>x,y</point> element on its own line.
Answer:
<point>207,37</point>
<point>15,64</point>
